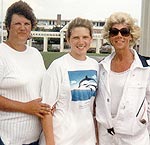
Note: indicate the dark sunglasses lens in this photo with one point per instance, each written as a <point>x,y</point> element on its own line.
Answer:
<point>125,32</point>
<point>114,32</point>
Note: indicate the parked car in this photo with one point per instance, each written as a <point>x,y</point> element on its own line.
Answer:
<point>106,48</point>
<point>91,50</point>
<point>54,48</point>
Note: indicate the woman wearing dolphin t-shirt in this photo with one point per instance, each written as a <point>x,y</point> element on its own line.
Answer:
<point>71,83</point>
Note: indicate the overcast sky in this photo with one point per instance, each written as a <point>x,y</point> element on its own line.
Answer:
<point>69,9</point>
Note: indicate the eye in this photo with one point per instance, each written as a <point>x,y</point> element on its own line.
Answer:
<point>125,30</point>
<point>27,24</point>
<point>113,31</point>
<point>86,37</point>
<point>17,24</point>
<point>75,37</point>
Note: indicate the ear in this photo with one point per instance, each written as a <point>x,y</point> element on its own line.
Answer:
<point>91,39</point>
<point>68,41</point>
<point>131,37</point>
<point>7,28</point>
<point>30,36</point>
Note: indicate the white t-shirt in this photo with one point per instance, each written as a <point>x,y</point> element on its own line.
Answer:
<point>20,79</point>
<point>116,89</point>
<point>72,85</point>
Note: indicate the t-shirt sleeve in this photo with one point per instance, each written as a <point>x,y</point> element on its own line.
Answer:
<point>148,98</point>
<point>1,71</point>
<point>50,85</point>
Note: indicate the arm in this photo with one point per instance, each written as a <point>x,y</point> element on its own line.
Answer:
<point>47,124</point>
<point>49,92</point>
<point>34,107</point>
<point>148,97</point>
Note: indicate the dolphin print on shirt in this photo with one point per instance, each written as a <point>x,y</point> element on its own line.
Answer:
<point>83,84</point>
<point>88,83</point>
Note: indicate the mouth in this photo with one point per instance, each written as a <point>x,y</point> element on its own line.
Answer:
<point>80,47</point>
<point>119,41</point>
<point>22,33</point>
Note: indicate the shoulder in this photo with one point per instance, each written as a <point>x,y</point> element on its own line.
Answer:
<point>33,49</point>
<point>107,59</point>
<point>145,60</point>
<point>3,47</point>
<point>58,63</point>
<point>2,44</point>
<point>92,60</point>
<point>60,60</point>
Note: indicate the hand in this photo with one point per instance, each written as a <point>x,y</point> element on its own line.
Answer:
<point>36,107</point>
<point>53,109</point>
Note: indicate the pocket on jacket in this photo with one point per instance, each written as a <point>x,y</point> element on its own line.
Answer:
<point>136,94</point>
<point>135,88</point>
<point>138,126</point>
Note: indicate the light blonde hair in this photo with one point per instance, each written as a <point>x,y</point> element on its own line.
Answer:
<point>122,18</point>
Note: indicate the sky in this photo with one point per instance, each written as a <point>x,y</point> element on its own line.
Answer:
<point>69,9</point>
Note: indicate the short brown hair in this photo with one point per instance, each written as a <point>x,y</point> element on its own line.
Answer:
<point>20,8</point>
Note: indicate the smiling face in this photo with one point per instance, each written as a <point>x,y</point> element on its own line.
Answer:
<point>20,28</point>
<point>79,41</point>
<point>120,41</point>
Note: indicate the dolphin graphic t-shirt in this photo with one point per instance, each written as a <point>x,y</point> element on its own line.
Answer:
<point>71,86</point>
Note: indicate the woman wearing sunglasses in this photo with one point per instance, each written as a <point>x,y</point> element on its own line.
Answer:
<point>124,86</point>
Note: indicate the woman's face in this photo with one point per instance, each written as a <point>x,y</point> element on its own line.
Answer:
<point>120,36</point>
<point>20,28</point>
<point>79,41</point>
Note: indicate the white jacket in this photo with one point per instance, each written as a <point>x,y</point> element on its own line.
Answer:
<point>136,90</point>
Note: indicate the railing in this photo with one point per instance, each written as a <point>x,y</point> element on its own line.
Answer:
<point>97,39</point>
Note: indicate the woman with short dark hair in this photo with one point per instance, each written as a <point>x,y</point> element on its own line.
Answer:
<point>21,71</point>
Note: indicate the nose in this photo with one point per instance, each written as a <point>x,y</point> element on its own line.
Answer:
<point>81,40</point>
<point>119,34</point>
<point>22,26</point>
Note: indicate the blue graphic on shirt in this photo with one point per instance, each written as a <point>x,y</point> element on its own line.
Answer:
<point>83,84</point>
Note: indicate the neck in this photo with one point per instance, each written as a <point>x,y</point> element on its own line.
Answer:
<point>16,46</point>
<point>78,57</point>
<point>123,56</point>
<point>122,61</point>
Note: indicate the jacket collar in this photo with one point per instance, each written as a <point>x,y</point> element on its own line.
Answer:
<point>107,61</point>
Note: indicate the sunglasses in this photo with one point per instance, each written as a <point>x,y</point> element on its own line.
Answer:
<point>114,32</point>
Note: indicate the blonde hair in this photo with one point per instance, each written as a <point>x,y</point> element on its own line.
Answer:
<point>122,18</point>
<point>79,22</point>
